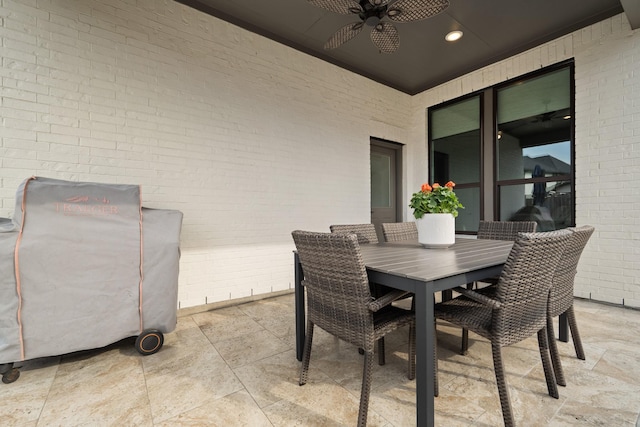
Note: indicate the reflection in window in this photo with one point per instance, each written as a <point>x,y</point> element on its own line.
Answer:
<point>469,217</point>
<point>546,161</point>
<point>550,204</point>
<point>534,120</point>
<point>517,161</point>
<point>534,150</point>
<point>455,155</point>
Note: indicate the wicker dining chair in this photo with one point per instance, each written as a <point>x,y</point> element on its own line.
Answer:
<point>504,230</point>
<point>516,308</point>
<point>497,230</point>
<point>561,296</point>
<point>340,302</point>
<point>399,231</point>
<point>366,232</point>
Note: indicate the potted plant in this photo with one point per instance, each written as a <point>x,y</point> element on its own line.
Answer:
<point>435,208</point>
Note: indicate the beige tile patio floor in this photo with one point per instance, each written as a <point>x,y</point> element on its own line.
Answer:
<point>236,366</point>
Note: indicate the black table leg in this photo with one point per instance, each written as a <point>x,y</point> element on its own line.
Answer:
<point>563,328</point>
<point>425,341</point>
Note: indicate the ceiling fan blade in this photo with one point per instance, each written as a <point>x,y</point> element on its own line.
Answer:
<point>385,37</point>
<point>415,10</point>
<point>343,7</point>
<point>344,34</point>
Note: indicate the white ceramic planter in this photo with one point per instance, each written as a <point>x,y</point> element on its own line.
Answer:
<point>436,230</point>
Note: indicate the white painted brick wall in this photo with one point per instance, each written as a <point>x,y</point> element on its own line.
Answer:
<point>247,137</point>
<point>252,139</point>
<point>607,58</point>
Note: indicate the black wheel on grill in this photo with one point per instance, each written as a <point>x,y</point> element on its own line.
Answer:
<point>10,376</point>
<point>149,342</point>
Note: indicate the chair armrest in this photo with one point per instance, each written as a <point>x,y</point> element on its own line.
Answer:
<point>482,299</point>
<point>386,299</point>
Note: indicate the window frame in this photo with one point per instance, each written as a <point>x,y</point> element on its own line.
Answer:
<point>490,186</point>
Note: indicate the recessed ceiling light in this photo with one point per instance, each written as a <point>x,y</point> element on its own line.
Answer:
<point>566,117</point>
<point>453,36</point>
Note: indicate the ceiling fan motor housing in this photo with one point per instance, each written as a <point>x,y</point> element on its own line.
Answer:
<point>371,14</point>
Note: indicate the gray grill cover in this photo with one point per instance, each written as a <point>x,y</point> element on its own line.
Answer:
<point>89,267</point>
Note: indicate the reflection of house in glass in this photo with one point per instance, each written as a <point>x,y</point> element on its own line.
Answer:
<point>547,203</point>
<point>551,166</point>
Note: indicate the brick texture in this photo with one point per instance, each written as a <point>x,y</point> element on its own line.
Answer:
<point>248,138</point>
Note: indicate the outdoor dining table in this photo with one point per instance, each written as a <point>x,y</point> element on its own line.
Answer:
<point>410,267</point>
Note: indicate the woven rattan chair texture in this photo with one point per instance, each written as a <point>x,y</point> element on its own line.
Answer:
<point>340,302</point>
<point>496,230</point>
<point>504,230</point>
<point>399,231</point>
<point>366,232</point>
<point>515,308</point>
<point>561,296</point>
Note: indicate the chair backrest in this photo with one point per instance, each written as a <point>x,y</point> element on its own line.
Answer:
<point>399,231</point>
<point>524,284</point>
<point>366,232</point>
<point>561,295</point>
<point>504,230</point>
<point>336,285</point>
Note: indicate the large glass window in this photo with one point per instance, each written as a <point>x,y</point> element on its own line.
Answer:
<point>509,149</point>
<point>455,155</point>
<point>534,151</point>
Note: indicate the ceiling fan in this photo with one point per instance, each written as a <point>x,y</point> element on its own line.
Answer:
<point>372,12</point>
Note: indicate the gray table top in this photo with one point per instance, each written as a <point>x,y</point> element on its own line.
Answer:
<point>411,260</point>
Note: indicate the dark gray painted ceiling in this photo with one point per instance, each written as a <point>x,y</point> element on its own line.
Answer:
<point>493,30</point>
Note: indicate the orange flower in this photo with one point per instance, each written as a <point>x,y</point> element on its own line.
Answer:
<point>435,198</point>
